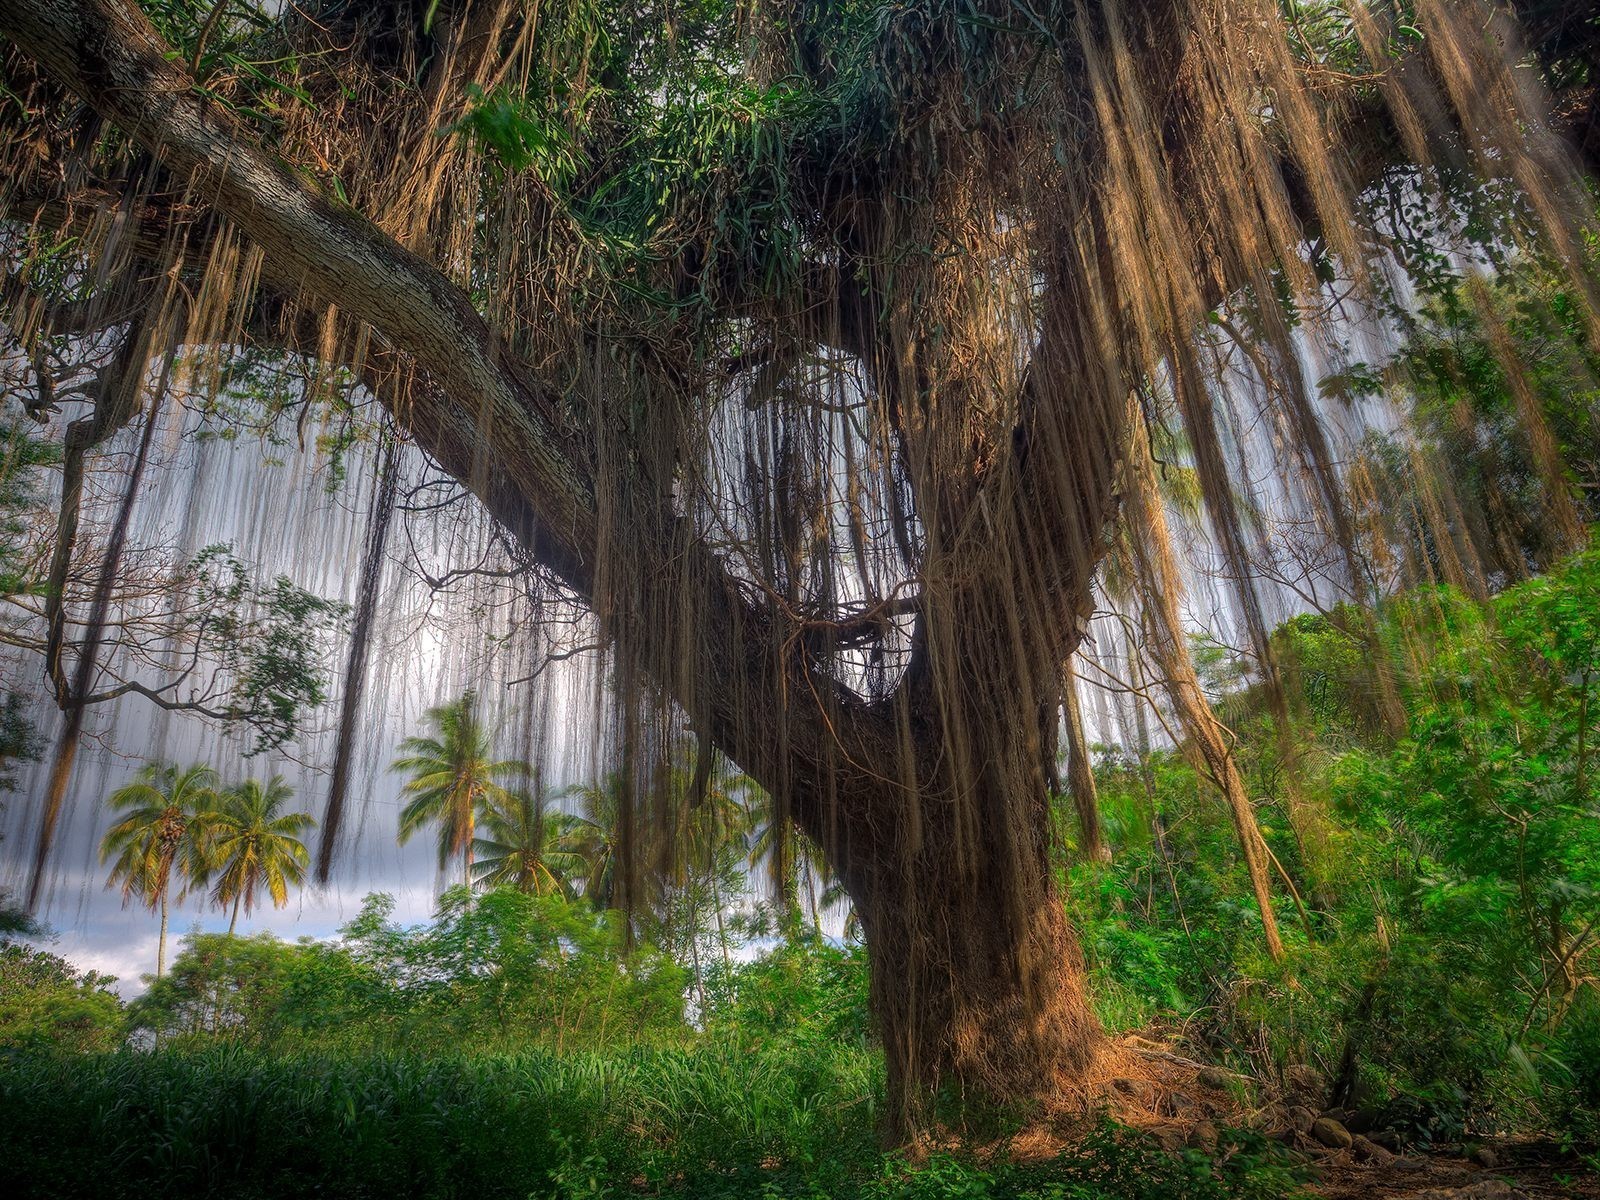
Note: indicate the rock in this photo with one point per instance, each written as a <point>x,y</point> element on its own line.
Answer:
<point>1214,1077</point>
<point>1484,1156</point>
<point>1306,1082</point>
<point>1301,1118</point>
<point>1169,1137</point>
<point>1369,1151</point>
<point>1137,1090</point>
<point>1203,1136</point>
<point>1178,1104</point>
<point>1387,1138</point>
<point>1331,1134</point>
<point>1363,1120</point>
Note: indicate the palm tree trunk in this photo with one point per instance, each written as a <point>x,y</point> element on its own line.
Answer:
<point>161,942</point>
<point>235,918</point>
<point>722,930</point>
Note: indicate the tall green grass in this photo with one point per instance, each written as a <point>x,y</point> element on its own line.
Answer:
<point>228,1121</point>
<point>709,1122</point>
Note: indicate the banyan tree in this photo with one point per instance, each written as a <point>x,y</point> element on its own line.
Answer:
<point>822,352</point>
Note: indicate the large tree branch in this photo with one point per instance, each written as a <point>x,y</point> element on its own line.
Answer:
<point>108,54</point>
<point>440,370</point>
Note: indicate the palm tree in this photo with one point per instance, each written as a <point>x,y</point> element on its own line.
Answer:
<point>790,858</point>
<point>717,816</point>
<point>594,837</point>
<point>528,846</point>
<point>453,775</point>
<point>255,845</point>
<point>163,828</point>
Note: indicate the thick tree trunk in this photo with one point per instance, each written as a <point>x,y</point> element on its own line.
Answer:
<point>989,1010</point>
<point>977,979</point>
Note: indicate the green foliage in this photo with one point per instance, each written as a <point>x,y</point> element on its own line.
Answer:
<point>47,1004</point>
<point>272,642</point>
<point>1467,412</point>
<point>519,136</point>
<point>806,993</point>
<point>22,453</point>
<point>1453,876</point>
<point>502,970</point>
<point>712,1123</point>
<point>220,988</point>
<point>20,741</point>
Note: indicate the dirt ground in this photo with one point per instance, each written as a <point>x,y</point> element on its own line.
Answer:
<point>1151,1083</point>
<point>1525,1168</point>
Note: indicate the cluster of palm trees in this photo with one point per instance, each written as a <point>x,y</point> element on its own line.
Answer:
<point>491,814</point>
<point>181,830</point>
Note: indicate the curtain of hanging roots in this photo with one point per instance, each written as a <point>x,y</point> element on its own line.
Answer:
<point>844,518</point>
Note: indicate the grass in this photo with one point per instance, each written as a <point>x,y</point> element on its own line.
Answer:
<point>708,1122</point>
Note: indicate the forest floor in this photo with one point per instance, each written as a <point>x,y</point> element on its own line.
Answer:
<point>1147,1081</point>
<point>1524,1168</point>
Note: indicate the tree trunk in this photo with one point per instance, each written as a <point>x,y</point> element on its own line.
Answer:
<point>977,978</point>
<point>1206,741</point>
<point>161,941</point>
<point>1080,773</point>
<point>1203,728</point>
<point>722,929</point>
<point>234,920</point>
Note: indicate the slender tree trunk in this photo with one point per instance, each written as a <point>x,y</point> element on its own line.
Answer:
<point>234,920</point>
<point>1206,739</point>
<point>1248,831</point>
<point>1080,773</point>
<point>811,896</point>
<point>722,931</point>
<point>161,941</point>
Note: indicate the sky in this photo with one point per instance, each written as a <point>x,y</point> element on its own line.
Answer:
<point>284,513</point>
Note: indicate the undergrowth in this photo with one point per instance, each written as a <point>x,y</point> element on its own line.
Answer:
<point>711,1122</point>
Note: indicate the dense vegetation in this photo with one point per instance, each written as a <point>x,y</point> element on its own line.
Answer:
<point>825,379</point>
<point>1439,978</point>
